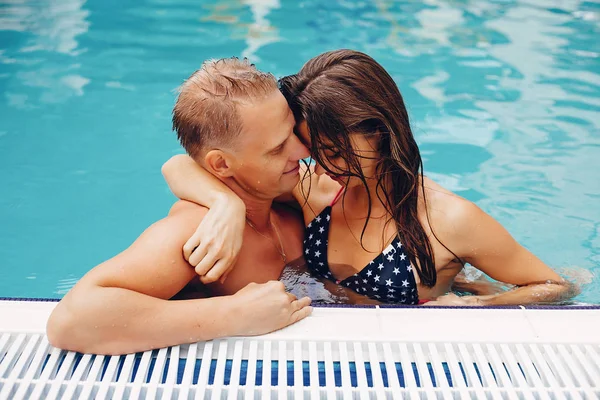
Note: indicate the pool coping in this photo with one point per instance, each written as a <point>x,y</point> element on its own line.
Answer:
<point>408,324</point>
<point>327,305</point>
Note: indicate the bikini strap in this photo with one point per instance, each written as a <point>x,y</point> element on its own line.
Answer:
<point>337,196</point>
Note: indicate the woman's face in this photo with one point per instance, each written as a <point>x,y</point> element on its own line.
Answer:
<point>364,150</point>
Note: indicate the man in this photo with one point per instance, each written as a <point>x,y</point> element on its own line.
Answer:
<point>233,120</point>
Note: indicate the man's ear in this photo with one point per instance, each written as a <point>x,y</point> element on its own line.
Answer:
<point>219,163</point>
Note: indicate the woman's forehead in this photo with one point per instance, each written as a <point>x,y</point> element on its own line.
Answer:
<point>304,133</point>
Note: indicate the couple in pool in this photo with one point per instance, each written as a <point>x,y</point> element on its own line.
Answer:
<point>362,220</point>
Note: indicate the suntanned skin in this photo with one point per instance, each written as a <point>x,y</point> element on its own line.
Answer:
<point>450,222</point>
<point>258,260</point>
<point>458,224</point>
<point>122,305</point>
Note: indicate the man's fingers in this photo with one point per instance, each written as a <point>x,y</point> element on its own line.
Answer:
<point>301,303</point>
<point>301,314</point>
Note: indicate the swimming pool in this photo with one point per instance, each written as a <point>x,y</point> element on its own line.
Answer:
<point>504,98</point>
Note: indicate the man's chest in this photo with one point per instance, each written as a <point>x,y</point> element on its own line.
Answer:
<point>257,270</point>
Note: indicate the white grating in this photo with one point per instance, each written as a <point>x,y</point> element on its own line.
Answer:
<point>257,368</point>
<point>334,354</point>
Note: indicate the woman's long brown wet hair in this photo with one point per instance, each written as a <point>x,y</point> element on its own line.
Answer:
<point>342,92</point>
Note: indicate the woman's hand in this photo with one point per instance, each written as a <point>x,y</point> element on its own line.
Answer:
<point>451,299</point>
<point>214,247</point>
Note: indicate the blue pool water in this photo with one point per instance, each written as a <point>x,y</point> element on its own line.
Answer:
<point>504,98</point>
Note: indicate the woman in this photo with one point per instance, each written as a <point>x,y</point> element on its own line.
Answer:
<point>375,223</point>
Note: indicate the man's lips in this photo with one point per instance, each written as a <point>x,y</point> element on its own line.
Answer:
<point>293,170</point>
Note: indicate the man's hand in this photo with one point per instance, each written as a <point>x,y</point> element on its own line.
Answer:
<point>214,247</point>
<point>267,307</point>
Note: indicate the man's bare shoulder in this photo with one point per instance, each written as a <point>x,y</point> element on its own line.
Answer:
<point>154,257</point>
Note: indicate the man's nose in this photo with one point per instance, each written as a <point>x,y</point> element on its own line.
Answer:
<point>300,150</point>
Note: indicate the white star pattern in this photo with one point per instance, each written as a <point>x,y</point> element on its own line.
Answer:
<point>391,270</point>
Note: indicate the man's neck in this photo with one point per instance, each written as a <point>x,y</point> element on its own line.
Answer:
<point>257,209</point>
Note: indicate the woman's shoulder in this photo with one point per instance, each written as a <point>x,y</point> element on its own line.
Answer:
<point>449,215</point>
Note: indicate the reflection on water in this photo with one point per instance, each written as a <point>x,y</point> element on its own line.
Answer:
<point>504,98</point>
<point>51,27</point>
<point>300,282</point>
<point>259,33</point>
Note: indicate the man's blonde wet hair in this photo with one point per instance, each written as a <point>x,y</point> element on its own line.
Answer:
<point>205,115</point>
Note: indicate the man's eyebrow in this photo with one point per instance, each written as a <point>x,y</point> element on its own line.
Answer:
<point>282,143</point>
<point>278,147</point>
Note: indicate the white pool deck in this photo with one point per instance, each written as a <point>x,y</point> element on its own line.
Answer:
<point>423,353</point>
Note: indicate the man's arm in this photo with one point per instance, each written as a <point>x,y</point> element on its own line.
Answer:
<point>122,306</point>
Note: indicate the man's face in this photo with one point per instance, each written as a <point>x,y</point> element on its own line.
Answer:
<point>268,153</point>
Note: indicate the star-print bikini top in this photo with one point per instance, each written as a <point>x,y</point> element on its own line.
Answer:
<point>387,278</point>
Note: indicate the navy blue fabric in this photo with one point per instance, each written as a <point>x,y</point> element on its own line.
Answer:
<point>387,278</point>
